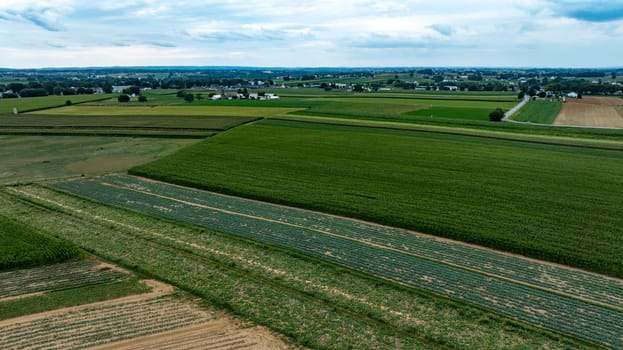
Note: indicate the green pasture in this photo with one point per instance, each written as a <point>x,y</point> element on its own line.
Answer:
<point>539,111</point>
<point>171,111</point>
<point>558,203</point>
<point>122,121</point>
<point>36,103</point>
<point>453,113</point>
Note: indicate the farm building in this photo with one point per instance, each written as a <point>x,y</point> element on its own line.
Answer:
<point>572,95</point>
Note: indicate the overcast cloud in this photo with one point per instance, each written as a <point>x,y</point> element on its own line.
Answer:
<point>295,33</point>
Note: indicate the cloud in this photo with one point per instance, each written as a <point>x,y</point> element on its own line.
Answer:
<point>221,32</point>
<point>443,29</point>
<point>43,14</point>
<point>160,44</point>
<point>588,11</point>
<point>303,32</point>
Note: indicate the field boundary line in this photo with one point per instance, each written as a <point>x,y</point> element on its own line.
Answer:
<point>376,245</point>
<point>578,142</point>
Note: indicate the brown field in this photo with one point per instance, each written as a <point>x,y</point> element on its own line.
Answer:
<point>592,111</point>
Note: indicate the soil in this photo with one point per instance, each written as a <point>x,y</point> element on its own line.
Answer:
<point>592,111</point>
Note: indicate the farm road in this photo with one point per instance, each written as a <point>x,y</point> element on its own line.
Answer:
<point>514,110</point>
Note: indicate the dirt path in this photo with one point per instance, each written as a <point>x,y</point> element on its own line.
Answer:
<point>158,289</point>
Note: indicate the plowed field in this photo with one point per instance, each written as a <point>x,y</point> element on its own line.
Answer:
<point>593,111</point>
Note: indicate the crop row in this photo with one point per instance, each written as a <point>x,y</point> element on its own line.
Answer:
<point>53,277</point>
<point>433,319</point>
<point>21,246</point>
<point>564,314</point>
<point>550,202</point>
<point>308,320</point>
<point>100,325</point>
<point>565,280</point>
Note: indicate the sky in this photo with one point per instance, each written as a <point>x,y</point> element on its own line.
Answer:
<point>304,33</point>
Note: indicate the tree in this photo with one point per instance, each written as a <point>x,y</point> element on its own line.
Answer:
<point>132,90</point>
<point>521,95</point>
<point>123,98</point>
<point>107,87</point>
<point>33,92</point>
<point>497,115</point>
<point>189,97</point>
<point>142,98</point>
<point>68,103</point>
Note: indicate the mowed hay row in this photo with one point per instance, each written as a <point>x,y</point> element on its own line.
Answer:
<point>94,326</point>
<point>592,111</point>
<point>53,277</point>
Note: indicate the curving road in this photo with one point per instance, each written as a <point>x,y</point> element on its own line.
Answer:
<point>514,110</point>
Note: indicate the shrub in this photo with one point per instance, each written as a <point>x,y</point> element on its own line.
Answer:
<point>496,115</point>
<point>123,98</point>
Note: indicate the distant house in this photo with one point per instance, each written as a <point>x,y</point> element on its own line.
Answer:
<point>572,95</point>
<point>116,89</point>
<point>452,88</point>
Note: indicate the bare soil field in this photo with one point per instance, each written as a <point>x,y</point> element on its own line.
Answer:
<point>592,111</point>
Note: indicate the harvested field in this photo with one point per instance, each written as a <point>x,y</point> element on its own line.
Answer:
<point>592,111</point>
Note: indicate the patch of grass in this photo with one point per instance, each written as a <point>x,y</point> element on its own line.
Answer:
<point>170,111</point>
<point>21,246</point>
<point>37,103</point>
<point>539,111</point>
<point>532,199</point>
<point>453,113</point>
<point>71,297</point>
<point>30,158</point>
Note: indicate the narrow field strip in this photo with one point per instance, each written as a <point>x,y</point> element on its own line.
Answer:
<point>574,282</point>
<point>54,277</point>
<point>129,237</point>
<point>91,326</point>
<point>564,314</point>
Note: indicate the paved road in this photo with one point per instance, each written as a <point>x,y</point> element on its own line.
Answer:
<point>514,110</point>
